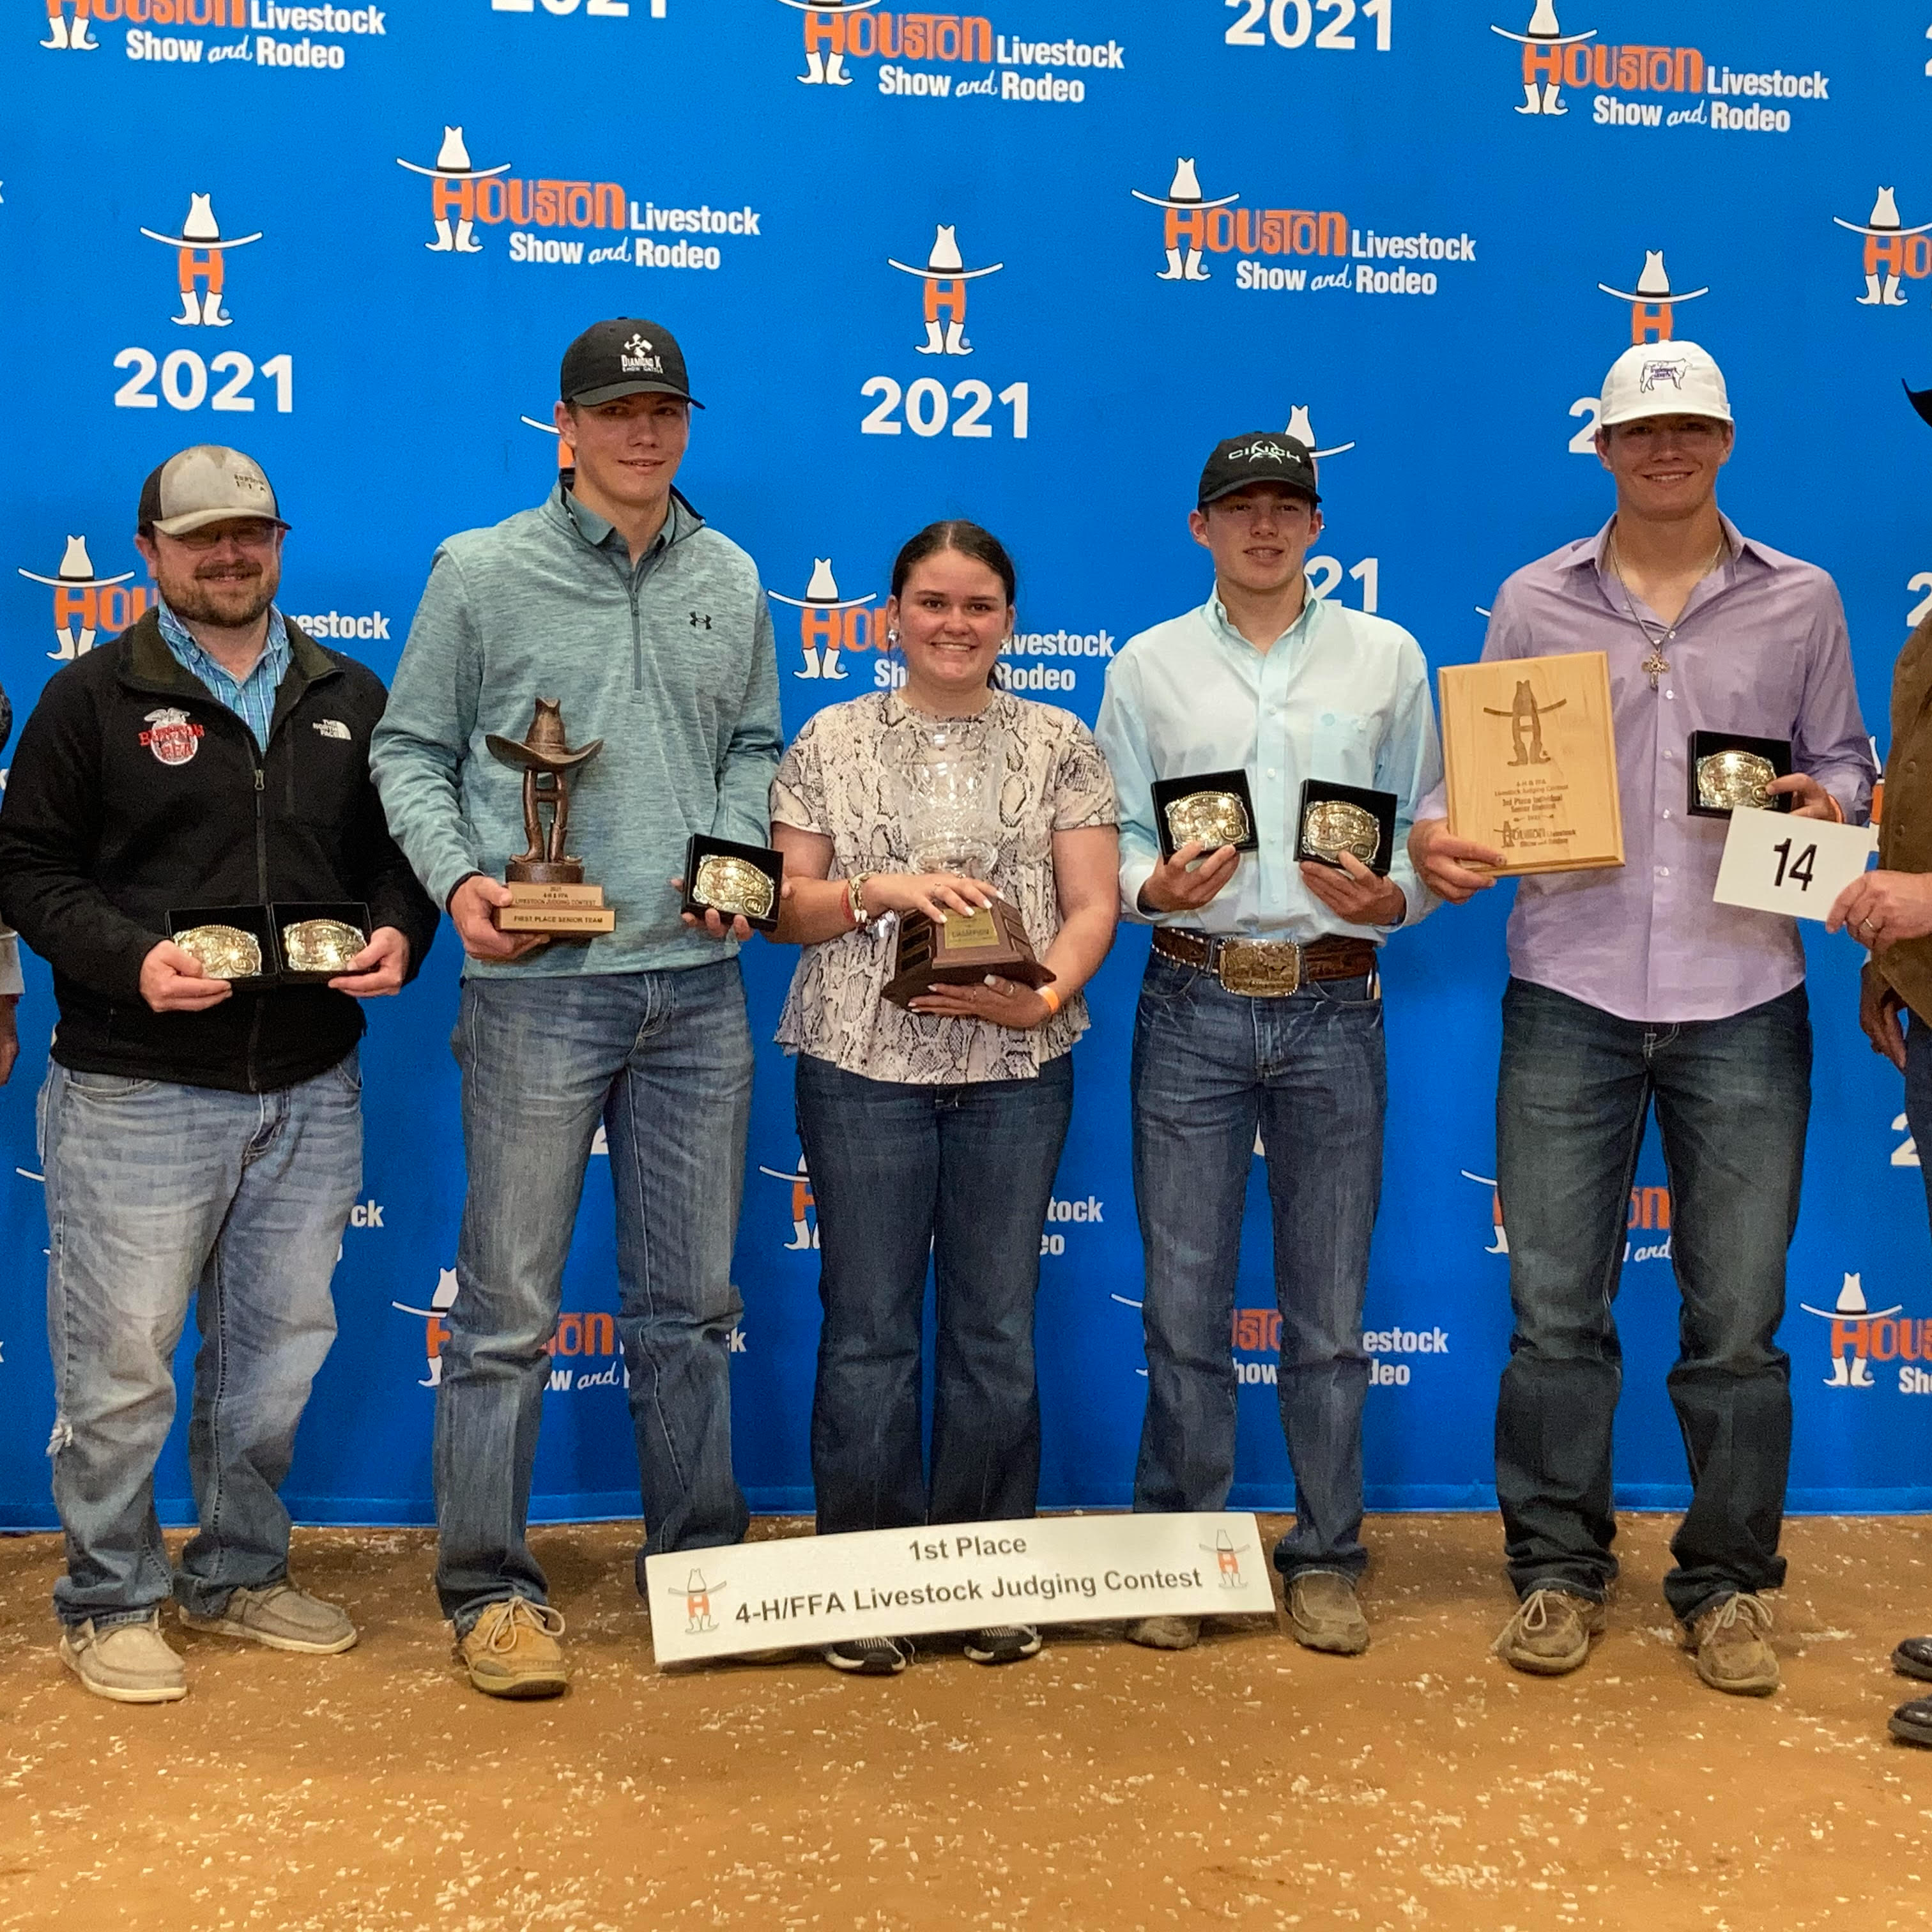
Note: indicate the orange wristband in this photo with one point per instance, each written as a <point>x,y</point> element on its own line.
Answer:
<point>1052,1000</point>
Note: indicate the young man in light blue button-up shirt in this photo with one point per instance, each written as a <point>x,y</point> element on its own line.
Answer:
<point>1270,679</point>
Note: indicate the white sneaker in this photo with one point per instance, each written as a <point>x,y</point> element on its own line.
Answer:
<point>128,1663</point>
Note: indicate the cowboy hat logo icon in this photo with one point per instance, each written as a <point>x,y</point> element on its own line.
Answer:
<point>1299,428</point>
<point>454,182</point>
<point>1227,1555</point>
<point>80,608</point>
<point>1851,1329</point>
<point>1892,250</point>
<point>945,275</point>
<point>826,623</point>
<point>1185,225</point>
<point>697,1594</point>
<point>201,251</point>
<point>1543,43</point>
<point>1653,300</point>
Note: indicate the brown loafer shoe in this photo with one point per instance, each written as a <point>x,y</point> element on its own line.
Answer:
<point>1551,1632</point>
<point>511,1651</point>
<point>1324,1614</point>
<point>1731,1651</point>
<point>1165,1633</point>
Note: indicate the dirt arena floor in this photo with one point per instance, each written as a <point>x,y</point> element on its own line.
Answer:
<point>1100,1786</point>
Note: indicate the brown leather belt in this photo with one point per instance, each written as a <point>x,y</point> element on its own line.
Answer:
<point>1266,969</point>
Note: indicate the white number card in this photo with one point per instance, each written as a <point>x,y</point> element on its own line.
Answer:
<point>1773,862</point>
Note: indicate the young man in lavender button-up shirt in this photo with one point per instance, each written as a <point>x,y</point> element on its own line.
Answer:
<point>1630,987</point>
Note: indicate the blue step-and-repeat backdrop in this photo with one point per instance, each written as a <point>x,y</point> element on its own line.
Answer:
<point>1025,265</point>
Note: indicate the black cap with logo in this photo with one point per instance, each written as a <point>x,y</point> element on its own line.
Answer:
<point>1262,456</point>
<point>626,357</point>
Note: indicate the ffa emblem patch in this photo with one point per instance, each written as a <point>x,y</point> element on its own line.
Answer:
<point>172,736</point>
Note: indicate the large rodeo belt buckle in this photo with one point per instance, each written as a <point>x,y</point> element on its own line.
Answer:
<point>1262,969</point>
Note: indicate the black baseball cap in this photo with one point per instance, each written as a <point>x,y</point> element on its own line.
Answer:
<point>626,357</point>
<point>1261,456</point>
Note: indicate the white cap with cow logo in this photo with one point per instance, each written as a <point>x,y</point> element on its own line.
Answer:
<point>1664,378</point>
<point>209,483</point>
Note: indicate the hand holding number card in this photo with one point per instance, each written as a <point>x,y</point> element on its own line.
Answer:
<point>1797,867</point>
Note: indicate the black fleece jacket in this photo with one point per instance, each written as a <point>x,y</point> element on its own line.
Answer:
<point>135,792</point>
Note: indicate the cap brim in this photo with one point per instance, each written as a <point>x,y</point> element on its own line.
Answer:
<point>1667,406</point>
<point>199,520</point>
<point>1248,483</point>
<point>611,391</point>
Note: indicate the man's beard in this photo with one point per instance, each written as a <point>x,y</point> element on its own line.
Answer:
<point>232,602</point>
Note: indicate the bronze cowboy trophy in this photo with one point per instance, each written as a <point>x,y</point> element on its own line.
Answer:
<point>548,894</point>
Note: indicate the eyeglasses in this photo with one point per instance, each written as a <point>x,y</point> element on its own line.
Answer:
<point>249,533</point>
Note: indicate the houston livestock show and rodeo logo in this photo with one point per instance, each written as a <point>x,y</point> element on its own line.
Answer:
<point>1646,86</point>
<point>568,222</point>
<point>945,57</point>
<point>254,33</point>
<point>1293,251</point>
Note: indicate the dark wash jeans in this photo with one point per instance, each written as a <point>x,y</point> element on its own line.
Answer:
<point>664,1060</point>
<point>1210,1068</point>
<point>1918,1095</point>
<point>1733,1099</point>
<point>962,1174</point>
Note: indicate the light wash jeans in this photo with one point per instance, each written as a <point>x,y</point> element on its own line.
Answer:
<point>664,1059</point>
<point>1210,1068</point>
<point>158,1194</point>
<point>1733,1099</point>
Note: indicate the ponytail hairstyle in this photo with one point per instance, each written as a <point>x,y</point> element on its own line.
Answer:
<point>969,539</point>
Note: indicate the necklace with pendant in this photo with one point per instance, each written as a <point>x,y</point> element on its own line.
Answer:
<point>1656,635</point>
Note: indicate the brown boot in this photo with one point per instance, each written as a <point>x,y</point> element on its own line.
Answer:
<point>511,1651</point>
<point>1324,1615</point>
<point>1550,1634</point>
<point>1731,1642</point>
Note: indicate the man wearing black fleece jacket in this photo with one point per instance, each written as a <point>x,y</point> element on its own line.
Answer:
<point>201,1136</point>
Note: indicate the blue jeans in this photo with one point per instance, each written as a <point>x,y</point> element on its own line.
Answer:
<point>664,1059</point>
<point>961,1174</point>
<point>1733,1099</point>
<point>157,1195</point>
<point>1918,1093</point>
<point>1211,1067</point>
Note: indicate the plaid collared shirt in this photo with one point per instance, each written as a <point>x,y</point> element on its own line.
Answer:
<point>252,699</point>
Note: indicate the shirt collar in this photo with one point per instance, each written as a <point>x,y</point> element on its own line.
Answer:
<point>182,641</point>
<point>1216,614</point>
<point>596,530</point>
<point>1595,551</point>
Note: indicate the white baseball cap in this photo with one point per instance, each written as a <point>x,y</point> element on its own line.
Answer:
<point>1664,378</point>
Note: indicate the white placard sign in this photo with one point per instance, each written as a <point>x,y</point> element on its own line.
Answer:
<point>809,1590</point>
<point>1773,862</point>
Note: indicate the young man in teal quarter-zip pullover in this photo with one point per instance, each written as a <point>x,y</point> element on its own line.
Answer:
<point>652,632</point>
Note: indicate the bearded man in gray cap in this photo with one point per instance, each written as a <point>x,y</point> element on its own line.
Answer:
<point>614,613</point>
<point>202,1118</point>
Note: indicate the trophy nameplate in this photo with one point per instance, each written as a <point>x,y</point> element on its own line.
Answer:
<point>960,950</point>
<point>1727,769</point>
<point>734,880</point>
<point>1216,808</point>
<point>1531,759</point>
<point>1333,818</point>
<point>547,759</point>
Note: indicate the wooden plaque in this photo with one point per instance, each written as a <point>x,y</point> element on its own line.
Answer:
<point>1531,760</point>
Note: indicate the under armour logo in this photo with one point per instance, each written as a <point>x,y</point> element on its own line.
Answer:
<point>699,621</point>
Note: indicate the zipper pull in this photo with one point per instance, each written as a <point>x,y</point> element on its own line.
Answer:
<point>259,785</point>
